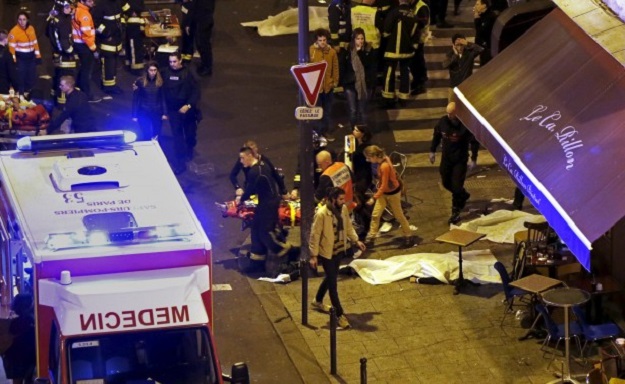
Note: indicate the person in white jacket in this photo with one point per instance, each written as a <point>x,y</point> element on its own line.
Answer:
<point>328,243</point>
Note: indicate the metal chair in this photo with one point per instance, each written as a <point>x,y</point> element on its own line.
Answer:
<point>595,333</point>
<point>519,260</point>
<point>400,163</point>
<point>510,292</point>
<point>556,332</point>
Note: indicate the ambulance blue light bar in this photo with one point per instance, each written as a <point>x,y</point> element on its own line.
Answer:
<point>124,236</point>
<point>76,140</point>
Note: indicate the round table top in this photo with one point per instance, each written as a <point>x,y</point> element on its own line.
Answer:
<point>566,297</point>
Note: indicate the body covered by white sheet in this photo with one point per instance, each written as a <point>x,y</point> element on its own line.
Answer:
<point>477,266</point>
<point>500,226</point>
<point>287,22</point>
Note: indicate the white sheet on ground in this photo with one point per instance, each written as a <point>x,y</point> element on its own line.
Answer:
<point>500,226</point>
<point>287,22</point>
<point>477,266</point>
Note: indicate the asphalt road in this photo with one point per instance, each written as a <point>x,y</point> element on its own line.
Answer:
<point>251,95</point>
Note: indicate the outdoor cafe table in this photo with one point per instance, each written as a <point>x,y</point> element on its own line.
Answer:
<point>461,238</point>
<point>566,298</point>
<point>534,284</point>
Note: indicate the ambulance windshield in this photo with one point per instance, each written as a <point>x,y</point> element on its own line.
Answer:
<point>181,356</point>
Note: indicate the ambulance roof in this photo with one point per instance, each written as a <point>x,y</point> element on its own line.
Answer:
<point>121,302</point>
<point>57,200</point>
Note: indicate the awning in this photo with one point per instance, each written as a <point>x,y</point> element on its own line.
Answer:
<point>551,110</point>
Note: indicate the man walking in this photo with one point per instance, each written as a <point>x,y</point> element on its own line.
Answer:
<point>76,108</point>
<point>456,139</point>
<point>328,243</point>
<point>182,93</point>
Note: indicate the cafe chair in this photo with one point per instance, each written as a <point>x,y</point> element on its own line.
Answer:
<point>556,332</point>
<point>534,234</point>
<point>519,260</point>
<point>510,292</point>
<point>595,333</point>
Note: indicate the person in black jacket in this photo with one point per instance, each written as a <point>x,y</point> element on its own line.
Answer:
<point>203,14</point>
<point>8,72</point>
<point>76,108</point>
<point>484,18</point>
<point>21,357</point>
<point>357,76</point>
<point>264,229</point>
<point>59,31</point>
<point>238,168</point>
<point>459,61</point>
<point>182,93</point>
<point>147,103</point>
<point>456,139</point>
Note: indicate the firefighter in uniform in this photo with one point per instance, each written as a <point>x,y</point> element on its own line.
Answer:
<point>456,140</point>
<point>188,31</point>
<point>83,35</point>
<point>59,32</point>
<point>135,25</point>
<point>108,17</point>
<point>400,26</point>
<point>264,230</point>
<point>340,22</point>
<point>417,63</point>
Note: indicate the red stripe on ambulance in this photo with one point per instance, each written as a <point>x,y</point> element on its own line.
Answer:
<point>132,319</point>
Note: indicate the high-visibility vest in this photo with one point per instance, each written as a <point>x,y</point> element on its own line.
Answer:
<point>426,30</point>
<point>83,28</point>
<point>363,16</point>
<point>341,177</point>
<point>23,41</point>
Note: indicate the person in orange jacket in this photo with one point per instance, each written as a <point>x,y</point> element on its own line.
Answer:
<point>83,35</point>
<point>321,50</point>
<point>25,50</point>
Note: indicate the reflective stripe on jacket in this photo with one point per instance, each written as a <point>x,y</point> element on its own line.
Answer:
<point>84,29</point>
<point>23,40</point>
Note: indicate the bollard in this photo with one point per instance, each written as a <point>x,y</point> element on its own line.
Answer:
<point>363,370</point>
<point>332,341</point>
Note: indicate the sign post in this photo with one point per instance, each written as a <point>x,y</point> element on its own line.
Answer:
<point>306,162</point>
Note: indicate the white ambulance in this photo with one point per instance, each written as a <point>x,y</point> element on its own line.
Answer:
<point>120,267</point>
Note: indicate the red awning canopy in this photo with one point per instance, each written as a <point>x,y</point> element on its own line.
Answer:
<point>551,110</point>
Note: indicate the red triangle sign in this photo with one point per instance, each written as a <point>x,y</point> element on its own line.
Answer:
<point>309,78</point>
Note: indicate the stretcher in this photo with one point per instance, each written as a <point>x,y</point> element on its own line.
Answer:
<point>20,117</point>
<point>289,212</point>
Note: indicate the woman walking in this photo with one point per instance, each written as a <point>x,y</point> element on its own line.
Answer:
<point>25,50</point>
<point>147,103</point>
<point>388,194</point>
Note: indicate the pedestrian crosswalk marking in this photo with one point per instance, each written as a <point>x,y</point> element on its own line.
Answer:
<point>415,114</point>
<point>422,160</point>
<point>421,120</point>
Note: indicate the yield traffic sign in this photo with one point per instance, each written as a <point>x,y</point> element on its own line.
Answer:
<point>309,78</point>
